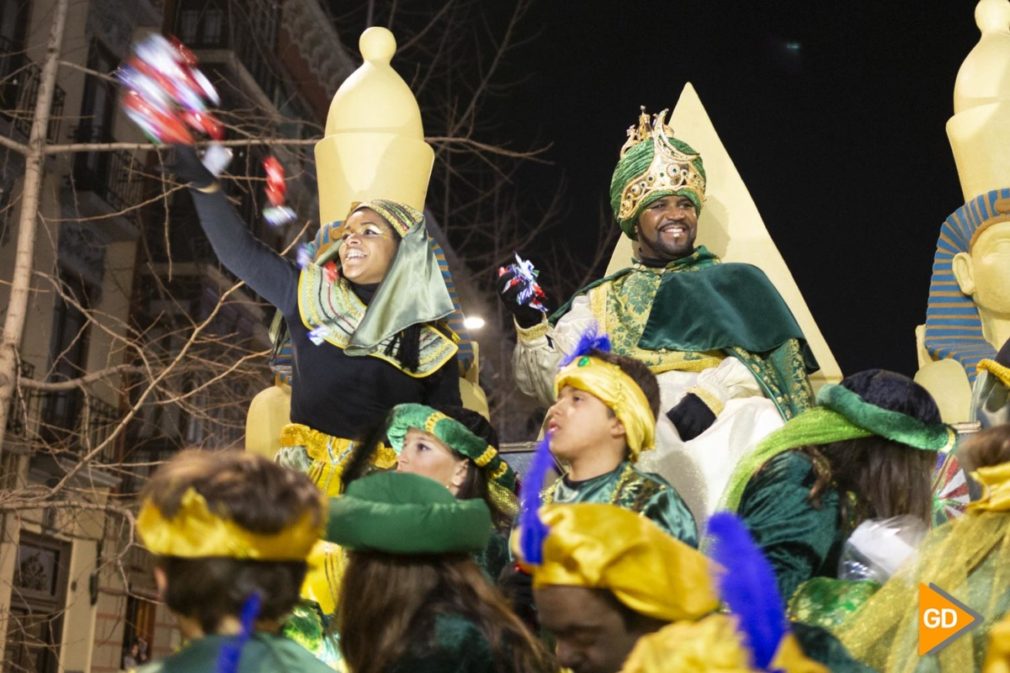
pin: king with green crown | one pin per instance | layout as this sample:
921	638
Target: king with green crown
731	360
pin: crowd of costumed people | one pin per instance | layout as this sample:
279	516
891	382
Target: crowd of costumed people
698	498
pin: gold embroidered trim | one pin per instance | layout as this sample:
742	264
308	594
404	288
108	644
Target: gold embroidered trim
499	471
530	333
435	348
208	189
671	169
996	369
711	401
611	305
329	455
432	421
485	458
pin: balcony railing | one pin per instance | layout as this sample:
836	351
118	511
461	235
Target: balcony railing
116	177
226	24
19	87
64	421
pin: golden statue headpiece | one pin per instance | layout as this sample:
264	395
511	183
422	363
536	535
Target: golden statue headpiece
374	144
194	531
980	128
653	163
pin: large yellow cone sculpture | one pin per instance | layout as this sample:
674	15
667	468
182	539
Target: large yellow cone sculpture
374	145
979	131
731	226
969	294
373	148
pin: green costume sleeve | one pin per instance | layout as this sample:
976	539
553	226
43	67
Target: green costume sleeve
668	510
796	536
782	374
629	488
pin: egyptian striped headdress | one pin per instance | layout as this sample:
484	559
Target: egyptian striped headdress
953	326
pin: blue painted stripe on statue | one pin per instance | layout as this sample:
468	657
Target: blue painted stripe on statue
953	313
952	321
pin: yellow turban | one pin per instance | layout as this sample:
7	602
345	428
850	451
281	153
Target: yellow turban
711	645
605	547
608	383
195	531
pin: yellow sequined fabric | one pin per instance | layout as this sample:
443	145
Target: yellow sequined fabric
996	369
966	558
995	482
194	531
329	455
997	657
327	562
710	645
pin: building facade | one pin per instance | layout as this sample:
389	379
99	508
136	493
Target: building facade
127	293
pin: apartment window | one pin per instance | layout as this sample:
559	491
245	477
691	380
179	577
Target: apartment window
201	24
68	356
13	27
98	106
38	598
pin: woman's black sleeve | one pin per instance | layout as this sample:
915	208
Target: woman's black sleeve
266	272
442	387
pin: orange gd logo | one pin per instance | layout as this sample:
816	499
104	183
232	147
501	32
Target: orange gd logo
942	619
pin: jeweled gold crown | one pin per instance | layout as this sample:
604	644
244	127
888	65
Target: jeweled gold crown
670	170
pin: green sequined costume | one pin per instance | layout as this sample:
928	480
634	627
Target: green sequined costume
630	488
262	653
719	331
801	538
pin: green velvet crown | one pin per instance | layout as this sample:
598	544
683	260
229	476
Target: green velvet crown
641	177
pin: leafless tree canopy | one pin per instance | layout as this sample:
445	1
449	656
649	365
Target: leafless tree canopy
132	341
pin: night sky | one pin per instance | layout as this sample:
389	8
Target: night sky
833	112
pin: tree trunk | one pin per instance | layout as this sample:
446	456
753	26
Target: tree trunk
17	307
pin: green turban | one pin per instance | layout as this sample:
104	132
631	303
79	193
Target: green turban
654	164
500	477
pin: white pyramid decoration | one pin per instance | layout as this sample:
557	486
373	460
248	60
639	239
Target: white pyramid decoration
731	226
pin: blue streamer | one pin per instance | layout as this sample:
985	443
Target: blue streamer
748	587
533	531
231	652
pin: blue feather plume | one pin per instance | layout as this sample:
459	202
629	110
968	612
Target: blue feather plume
231	652
590	340
533	531
748	587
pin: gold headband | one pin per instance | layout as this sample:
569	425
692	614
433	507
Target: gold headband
196	532
617	390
